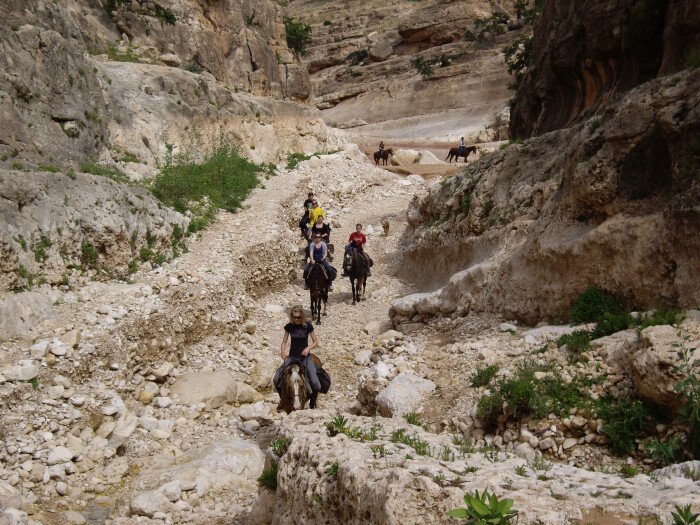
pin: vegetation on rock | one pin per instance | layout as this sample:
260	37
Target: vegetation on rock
298	35
485	508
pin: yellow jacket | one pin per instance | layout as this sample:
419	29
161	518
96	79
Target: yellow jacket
314	214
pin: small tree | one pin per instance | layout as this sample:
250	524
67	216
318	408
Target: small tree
298	35
518	55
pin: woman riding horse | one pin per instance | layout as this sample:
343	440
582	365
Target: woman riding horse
299	330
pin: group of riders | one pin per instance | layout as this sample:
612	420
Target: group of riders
296	346
315	229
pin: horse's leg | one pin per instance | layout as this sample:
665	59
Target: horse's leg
352	283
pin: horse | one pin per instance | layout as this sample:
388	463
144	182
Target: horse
454	152
294	388
382	155
356	266
318	291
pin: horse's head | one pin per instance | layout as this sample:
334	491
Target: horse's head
293	389
389	151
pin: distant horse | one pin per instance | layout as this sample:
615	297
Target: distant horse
382	155
318	291
454	152
294	390
356	266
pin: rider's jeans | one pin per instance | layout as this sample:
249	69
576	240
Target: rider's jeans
311	375
325	264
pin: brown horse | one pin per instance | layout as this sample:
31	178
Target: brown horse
356	267
382	155
318	291
454	152
294	387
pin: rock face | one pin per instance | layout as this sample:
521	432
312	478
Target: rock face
404	394
364	80
85	83
586	55
407	487
527	228
52	222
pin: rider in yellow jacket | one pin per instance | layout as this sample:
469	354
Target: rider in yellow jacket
314	213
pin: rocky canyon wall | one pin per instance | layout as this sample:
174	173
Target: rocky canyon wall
585	54
612	202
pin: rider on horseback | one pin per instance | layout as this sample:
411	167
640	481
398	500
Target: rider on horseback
304	221
462	148
318	254
357	241
299	330
314	213
381	146
323	229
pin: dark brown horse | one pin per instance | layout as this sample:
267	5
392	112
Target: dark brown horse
454	152
294	386
382	155
318	291
356	267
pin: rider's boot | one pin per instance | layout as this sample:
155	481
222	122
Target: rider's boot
312	399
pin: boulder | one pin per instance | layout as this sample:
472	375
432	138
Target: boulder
654	364
9	496
23	371
406	393
214	389
362	357
148	503
259	411
126	425
171	59
247	394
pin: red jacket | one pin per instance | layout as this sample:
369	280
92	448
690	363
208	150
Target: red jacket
358	238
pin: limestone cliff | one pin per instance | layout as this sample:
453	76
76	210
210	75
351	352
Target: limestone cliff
587	53
362	66
613	202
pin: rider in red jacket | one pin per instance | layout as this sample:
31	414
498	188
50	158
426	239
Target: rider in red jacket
358	240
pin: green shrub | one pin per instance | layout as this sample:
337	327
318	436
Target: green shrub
593	125
268	478
40	247
490	408
485	508
421	447
357	56
293	159
592	305
133	266
624	420
115	55
333	469
89	255
101	170
661	316
279	446
577	342
483	375
518	55
487	27
298	35
665	452
628	471
466	203
689	391
49	167
423	66
611	323
222	181
412	418
165	15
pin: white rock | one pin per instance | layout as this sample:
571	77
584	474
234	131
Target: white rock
62	488
507	327
171	490
148	503
406	393
211	388
525	451
259	411
74	518
124	428
569	443
163	402
362	357
162	371
38	350
59	455
24	371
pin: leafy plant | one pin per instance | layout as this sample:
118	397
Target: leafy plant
518	55
628	471
665	452
520	470
40	247
540	467
88	254
593	125
423	66
378	450
221	181
422	448
483	375
487	27
576	343
298	35
689	390
593	304
293	159
279	446
412	418
624	419
357	57
684	516
660	316
333	469
268	478
102	170
117	56
484	508
464	444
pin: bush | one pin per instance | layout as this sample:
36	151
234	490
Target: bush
482	376
165	15
423	66
689	390
88	255
268	478
593	304
412	418
624	419
279	445
293	159
489	408
101	170
485	508
298	35
684	516
490	26
665	452
577	342
116	56
518	55
611	323
357	56
660	317
222	181
39	249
